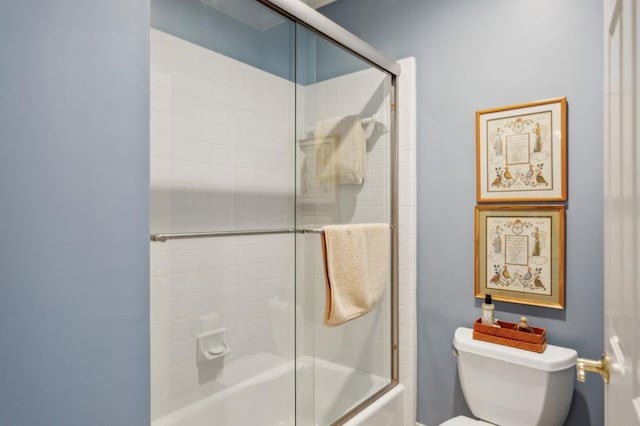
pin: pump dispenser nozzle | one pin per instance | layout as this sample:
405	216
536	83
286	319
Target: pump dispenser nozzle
487	310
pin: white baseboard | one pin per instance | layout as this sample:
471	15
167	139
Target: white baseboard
419	424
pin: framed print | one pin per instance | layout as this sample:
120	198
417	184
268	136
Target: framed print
521	152
520	254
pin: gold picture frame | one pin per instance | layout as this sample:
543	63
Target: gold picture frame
521	152
519	254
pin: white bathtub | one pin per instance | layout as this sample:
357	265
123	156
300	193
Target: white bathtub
388	410
268	399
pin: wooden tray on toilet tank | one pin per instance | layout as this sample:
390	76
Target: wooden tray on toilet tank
509	335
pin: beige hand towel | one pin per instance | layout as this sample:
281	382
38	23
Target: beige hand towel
340	150
357	260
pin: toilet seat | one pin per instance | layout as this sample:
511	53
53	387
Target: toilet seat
465	421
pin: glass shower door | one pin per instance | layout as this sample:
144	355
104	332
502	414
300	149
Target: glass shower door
341	101
222	214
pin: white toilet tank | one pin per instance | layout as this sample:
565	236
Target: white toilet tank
510	387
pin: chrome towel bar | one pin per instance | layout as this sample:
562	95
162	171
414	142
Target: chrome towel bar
164	237
161	238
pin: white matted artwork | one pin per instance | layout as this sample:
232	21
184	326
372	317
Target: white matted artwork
521	152
520	254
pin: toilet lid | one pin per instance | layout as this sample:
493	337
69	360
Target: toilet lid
464	421
554	358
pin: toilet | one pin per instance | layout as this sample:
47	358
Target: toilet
508	387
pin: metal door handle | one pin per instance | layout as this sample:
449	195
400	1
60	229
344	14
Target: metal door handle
600	366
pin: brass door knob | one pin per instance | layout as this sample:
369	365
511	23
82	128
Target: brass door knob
600	366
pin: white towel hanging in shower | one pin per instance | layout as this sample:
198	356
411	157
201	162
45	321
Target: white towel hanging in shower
357	261
340	150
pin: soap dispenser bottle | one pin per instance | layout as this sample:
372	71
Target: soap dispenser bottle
487	310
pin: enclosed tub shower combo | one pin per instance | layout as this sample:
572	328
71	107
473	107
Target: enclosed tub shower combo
268	123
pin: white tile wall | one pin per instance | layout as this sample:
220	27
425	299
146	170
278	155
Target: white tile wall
221	135
221	158
408	231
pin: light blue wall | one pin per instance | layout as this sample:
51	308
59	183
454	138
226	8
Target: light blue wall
74	155
474	54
